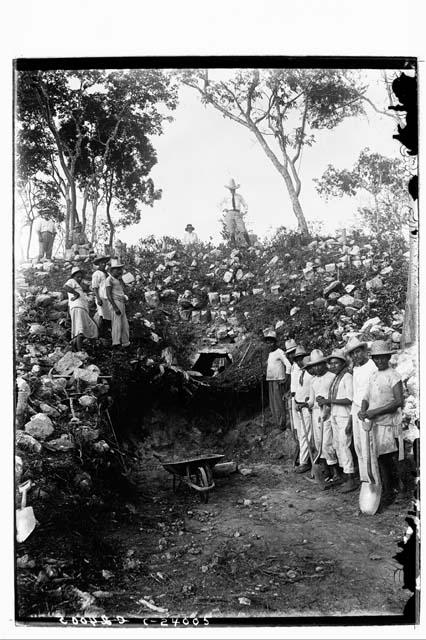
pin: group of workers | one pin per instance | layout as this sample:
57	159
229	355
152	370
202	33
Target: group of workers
110	297
347	402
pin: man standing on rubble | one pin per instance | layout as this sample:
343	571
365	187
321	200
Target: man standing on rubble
234	208
46	232
277	372
116	298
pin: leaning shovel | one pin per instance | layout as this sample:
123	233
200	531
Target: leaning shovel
305	433
371	491
25	520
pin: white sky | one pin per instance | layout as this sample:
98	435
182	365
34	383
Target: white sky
200	150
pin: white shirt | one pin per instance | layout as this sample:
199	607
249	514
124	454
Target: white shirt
344	390
190	238
294	377
98	282
82	301
278	365
240	203
303	390
320	386
41	225
361	378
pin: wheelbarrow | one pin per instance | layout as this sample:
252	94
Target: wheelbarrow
197	473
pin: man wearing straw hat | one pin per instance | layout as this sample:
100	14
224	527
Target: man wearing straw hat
340	402
234	207
190	237
321	426
98	285
277	371
363	369
300	391
82	325
382	407
116	298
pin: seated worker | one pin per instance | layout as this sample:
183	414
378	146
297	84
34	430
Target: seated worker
80	243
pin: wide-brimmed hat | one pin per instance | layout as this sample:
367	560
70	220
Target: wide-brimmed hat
232	184
270	334
305	362
381	348
115	264
189	226
99	259
316	357
290	345
337	353
75	270
300	351
353	344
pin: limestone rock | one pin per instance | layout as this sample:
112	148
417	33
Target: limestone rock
331	267
152	299
43	300
386	271
66	365
49	411
87	401
86	434
40	426
357	303
374	284
371	322
331	287
37	330
25	441
346	300
294	310
350	288
273	261
228	275
64	443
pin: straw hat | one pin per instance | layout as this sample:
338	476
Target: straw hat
337	353
381	348
316	357
270	333
75	270
306	362
290	345
189	227
115	264
232	184
101	259
353	344
300	351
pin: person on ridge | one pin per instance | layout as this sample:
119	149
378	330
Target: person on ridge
235	208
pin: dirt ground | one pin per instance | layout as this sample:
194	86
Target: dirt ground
266	544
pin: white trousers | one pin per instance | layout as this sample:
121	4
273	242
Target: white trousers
342	440
326	450
119	325
303	442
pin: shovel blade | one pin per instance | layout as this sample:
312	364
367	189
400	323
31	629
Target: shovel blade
25	523
369	497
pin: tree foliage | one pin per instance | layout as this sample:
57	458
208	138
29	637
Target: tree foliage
382	178
91	129
283	108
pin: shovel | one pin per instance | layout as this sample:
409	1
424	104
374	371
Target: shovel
25	520
371	491
305	433
293	431
317	468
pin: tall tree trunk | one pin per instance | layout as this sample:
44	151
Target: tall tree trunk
410	328
283	171
30	234
67	221
111	224
94	214
83	208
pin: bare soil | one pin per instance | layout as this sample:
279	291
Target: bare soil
289	550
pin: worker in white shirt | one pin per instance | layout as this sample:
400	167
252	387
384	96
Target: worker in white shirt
235	207
321	425
190	237
363	370
46	232
277	372
300	391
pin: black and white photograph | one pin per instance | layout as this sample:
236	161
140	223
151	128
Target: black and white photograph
216	341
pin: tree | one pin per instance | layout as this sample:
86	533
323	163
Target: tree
382	178
80	115
283	108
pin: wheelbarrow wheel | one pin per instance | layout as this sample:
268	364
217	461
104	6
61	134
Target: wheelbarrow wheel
203	482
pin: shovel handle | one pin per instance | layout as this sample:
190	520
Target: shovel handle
369	471
24	488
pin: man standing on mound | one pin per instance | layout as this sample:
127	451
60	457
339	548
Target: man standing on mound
234	208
